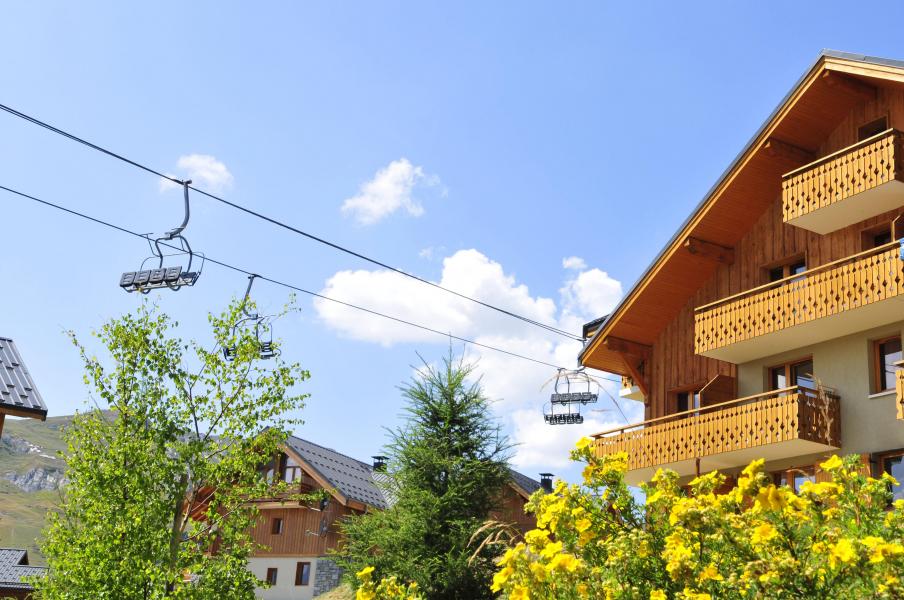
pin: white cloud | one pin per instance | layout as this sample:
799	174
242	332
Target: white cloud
575	263
204	170
514	384
390	190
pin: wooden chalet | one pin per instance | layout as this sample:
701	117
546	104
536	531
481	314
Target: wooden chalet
298	537
16	574
770	324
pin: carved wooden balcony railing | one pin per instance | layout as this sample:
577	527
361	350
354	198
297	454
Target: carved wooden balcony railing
816	196
785	416
805	308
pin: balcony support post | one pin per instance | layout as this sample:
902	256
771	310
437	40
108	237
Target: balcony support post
709	250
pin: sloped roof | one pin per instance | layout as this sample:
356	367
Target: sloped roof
14	569
803	119
520	480
18	394
352	478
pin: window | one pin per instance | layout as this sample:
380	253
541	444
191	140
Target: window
872	128
893	464
271	576
793	266
876	236
687	400
302	573
276	526
794	478
886	352
790	374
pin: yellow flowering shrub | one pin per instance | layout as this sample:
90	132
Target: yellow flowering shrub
834	539
386	589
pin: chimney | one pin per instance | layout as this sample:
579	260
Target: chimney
546	482
379	463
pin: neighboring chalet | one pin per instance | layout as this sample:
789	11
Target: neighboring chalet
300	536
770	325
15	573
18	395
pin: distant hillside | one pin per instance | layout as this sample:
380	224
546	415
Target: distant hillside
30	478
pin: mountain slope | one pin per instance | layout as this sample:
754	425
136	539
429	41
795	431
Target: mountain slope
30	477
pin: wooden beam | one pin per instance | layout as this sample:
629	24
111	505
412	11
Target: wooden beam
638	378
628	347
850	85
709	250
776	148
2	418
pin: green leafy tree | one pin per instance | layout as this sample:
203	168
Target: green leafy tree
448	464
161	471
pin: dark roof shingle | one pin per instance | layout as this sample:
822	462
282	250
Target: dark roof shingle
14	569
17	390
351	478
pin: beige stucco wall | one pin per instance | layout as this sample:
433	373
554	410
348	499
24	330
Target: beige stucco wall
868	422
285	588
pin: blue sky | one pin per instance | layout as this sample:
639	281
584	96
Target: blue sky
499	139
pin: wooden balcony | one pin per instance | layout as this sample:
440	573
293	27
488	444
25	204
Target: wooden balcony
784	423
846	187
860	292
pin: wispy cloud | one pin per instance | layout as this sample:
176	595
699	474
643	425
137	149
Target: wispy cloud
204	170
391	189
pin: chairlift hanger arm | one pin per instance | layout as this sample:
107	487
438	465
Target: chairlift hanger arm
251	279
178	230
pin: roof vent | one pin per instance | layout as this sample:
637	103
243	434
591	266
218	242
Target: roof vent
379	463
546	482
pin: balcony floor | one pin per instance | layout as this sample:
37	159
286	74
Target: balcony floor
822	329
733	459
854	209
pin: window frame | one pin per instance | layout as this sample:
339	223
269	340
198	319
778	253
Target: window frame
277	526
866	126
785	265
272	575
690	390
302	578
787	366
881	457
879	362
868	235
789	475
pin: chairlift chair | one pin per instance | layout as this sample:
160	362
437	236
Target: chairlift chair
263	329
172	276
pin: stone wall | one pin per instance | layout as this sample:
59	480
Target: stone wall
327	576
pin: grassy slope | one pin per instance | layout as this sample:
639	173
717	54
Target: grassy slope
22	514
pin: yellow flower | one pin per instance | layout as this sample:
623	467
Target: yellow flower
841	551
536	538
583	590
365	594
584	442
564	561
709	573
831	464
364	574
519	592
582	525
657	595
762	534
753	468
500	578
551	549
770	497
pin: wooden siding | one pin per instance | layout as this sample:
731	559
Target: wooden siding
867	278
297	520
511	510
783	415
674	363
858	168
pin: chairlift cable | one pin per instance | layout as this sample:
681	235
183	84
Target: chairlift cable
286	226
281	283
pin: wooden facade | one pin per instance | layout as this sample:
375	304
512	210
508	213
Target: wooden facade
675	363
305	531
679	332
